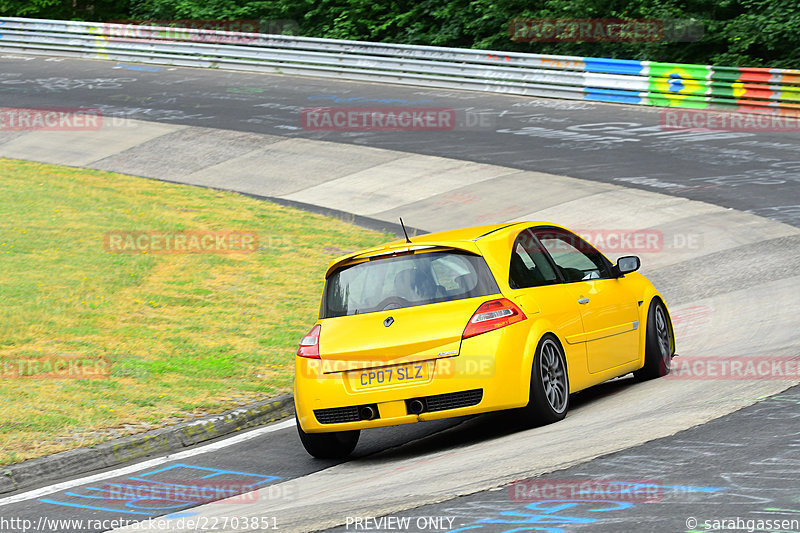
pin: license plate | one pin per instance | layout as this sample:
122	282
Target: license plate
392	375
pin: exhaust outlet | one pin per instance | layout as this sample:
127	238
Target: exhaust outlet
367	412
415	406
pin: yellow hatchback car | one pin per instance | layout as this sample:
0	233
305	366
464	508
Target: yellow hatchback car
468	321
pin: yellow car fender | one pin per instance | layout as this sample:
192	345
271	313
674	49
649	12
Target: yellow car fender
540	327
649	293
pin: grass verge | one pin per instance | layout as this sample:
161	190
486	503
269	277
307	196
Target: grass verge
182	334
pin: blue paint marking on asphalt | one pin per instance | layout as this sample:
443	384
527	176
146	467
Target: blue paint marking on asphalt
182	514
129	503
546	514
214	472
137	67
87	496
164	488
154	490
638	486
569	504
159	491
67	504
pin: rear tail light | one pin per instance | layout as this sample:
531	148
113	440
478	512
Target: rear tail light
309	345
492	315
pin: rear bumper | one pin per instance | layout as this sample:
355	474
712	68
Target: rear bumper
484	377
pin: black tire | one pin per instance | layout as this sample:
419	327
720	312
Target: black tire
333	445
659	343
548	399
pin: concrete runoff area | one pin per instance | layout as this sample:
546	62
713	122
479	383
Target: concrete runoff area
67	148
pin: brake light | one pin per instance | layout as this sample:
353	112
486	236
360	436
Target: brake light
491	315
309	345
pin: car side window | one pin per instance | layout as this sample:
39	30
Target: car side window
576	259
529	264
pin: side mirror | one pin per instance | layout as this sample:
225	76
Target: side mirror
626	265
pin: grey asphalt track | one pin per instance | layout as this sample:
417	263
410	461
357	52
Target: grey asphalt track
743	466
132	496
756	171
622	145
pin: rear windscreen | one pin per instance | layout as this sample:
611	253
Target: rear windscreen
406	281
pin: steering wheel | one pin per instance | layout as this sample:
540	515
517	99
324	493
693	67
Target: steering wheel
387	303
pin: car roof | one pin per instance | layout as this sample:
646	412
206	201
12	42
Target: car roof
461	238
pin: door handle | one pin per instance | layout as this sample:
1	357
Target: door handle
583	300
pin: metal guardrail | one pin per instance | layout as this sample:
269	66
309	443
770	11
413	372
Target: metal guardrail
580	78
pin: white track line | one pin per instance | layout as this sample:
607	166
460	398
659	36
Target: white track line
44	491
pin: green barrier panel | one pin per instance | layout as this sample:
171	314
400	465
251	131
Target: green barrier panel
725	82
789	93
687	101
677	85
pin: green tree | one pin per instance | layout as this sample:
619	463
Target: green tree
93	10
736	32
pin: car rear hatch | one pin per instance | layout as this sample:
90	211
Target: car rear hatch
401	306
